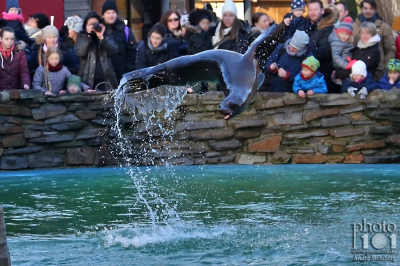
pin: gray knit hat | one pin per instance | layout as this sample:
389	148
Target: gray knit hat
300	40
74	23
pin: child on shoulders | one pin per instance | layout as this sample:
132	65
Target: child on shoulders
309	80
392	78
297	22
15	20
360	82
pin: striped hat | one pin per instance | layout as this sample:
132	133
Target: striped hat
298	4
346	26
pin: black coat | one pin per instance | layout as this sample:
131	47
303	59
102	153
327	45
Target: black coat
124	61
369	83
321	49
69	58
148	58
240	45
177	43
86	49
19	30
197	39
371	56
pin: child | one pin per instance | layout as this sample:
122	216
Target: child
309	80
15	20
198	37
52	77
14	72
360	81
75	85
298	22
392	78
341	42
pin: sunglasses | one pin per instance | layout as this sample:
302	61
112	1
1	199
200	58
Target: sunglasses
173	19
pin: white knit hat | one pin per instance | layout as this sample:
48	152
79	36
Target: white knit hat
359	68
74	23
229	6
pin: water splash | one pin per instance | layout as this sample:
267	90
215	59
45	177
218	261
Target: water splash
150	111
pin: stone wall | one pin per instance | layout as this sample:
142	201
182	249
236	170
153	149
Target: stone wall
71	131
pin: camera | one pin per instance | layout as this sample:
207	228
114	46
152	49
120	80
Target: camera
97	27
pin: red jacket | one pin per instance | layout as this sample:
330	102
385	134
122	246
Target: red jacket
398	47
14	72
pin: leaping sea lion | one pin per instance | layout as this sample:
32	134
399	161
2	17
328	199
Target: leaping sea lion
234	72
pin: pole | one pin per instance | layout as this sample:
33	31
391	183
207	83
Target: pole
247	10
5	259
164	6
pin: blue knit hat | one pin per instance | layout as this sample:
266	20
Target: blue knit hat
298	4
11	4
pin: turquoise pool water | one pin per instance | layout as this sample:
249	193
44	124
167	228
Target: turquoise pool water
225	215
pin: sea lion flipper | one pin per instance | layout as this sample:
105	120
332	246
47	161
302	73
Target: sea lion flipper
251	51
261	78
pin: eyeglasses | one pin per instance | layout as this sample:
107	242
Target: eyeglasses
173	19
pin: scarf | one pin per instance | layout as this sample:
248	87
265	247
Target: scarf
162	47
7	53
8	16
360	81
55	68
216	39
177	33
32	32
374	40
374	17
304	78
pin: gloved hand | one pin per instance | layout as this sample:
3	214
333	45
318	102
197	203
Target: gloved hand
351	91
350	64
363	93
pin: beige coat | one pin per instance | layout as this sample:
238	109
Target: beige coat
386	46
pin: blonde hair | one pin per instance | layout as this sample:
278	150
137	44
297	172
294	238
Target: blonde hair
50	51
369	27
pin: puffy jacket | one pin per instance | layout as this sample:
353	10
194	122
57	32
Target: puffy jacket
240	45
14	72
176	42
197	39
86	49
69	59
340	51
387	46
384	83
300	23
316	84
147	57
124	61
321	49
368	53
58	80
369	83
290	63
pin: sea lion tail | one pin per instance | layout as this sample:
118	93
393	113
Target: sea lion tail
250	54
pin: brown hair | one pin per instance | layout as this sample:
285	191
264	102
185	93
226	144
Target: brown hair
256	17
164	18
50	51
234	33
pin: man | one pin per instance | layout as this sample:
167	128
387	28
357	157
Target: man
343	11
386	46
319	39
124	61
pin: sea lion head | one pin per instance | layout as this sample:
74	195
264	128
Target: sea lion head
232	106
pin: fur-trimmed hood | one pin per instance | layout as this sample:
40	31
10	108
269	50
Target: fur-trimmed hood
329	18
193	29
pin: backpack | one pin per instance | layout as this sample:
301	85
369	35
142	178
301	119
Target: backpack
126	34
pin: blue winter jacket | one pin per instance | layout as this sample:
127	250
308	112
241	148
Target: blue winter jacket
369	83
385	85
300	23
290	63
316	84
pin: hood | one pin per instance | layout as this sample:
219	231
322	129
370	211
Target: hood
373	41
297	54
256	31
163	47
329	19
193	29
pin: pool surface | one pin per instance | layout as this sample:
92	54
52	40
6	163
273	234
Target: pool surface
211	215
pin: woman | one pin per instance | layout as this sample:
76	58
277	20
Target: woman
49	37
367	50
260	22
95	50
155	50
171	21
73	27
230	33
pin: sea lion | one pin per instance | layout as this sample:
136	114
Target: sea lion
234	72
